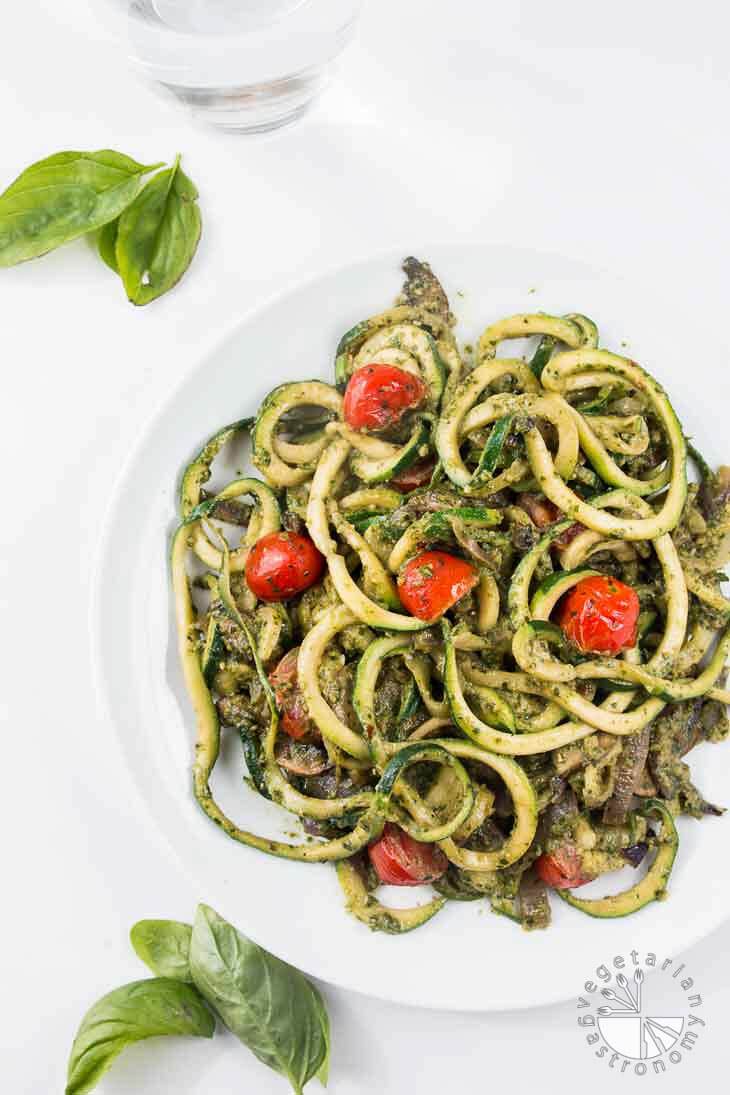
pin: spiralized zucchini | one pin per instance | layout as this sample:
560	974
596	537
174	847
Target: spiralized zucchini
481	732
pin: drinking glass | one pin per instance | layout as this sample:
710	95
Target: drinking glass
243	65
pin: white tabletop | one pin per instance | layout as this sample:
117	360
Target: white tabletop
583	129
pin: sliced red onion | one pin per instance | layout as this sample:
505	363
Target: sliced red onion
635	853
301	758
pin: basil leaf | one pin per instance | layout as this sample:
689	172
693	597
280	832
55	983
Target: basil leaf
323	1072
158	235
143	1009
268	1005
63	197
164	946
107	244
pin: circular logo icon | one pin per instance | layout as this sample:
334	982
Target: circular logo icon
627	1028
640	1015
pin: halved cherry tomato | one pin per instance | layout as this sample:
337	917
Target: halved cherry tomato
600	615
295	720
282	564
417	475
399	860
377	396
562	868
433	581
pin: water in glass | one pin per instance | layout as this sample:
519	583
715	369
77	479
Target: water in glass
246	65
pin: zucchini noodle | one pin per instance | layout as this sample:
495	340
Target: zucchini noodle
483	731
271	457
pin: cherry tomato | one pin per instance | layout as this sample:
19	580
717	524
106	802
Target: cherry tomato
377	396
295	720
417	475
600	615
282	564
399	860
562	868
433	581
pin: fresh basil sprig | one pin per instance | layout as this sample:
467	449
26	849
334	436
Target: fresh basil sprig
107	244
144	1009
63	197
158	235
164	946
148	232
267	1004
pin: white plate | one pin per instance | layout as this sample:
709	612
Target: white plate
466	958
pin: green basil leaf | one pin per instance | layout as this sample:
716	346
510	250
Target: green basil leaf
268	1005
164	946
63	197
158	235
143	1009
107	244
323	1072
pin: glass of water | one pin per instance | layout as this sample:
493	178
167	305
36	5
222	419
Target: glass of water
243	65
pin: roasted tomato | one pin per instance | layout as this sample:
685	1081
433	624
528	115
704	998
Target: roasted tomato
399	860
433	581
282	564
377	396
562	868
295	720
417	475
600	615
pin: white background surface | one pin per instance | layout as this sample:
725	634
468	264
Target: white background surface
593	133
